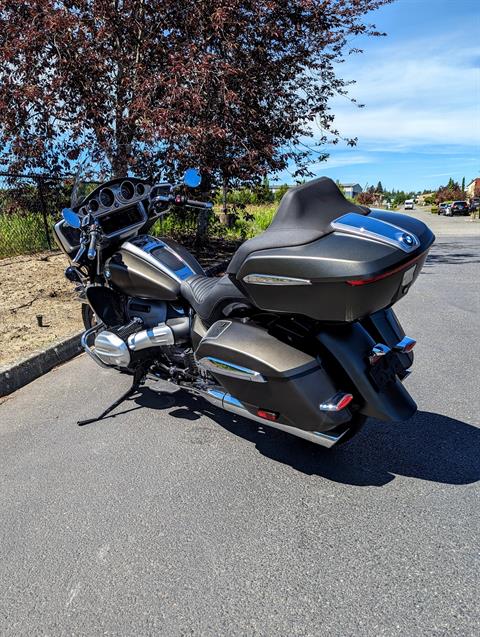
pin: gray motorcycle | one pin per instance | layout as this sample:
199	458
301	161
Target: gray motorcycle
299	334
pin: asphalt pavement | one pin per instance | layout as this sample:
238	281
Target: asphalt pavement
173	518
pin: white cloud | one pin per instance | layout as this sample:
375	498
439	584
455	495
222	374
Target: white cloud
423	91
339	161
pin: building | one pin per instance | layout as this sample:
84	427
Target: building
473	188
351	190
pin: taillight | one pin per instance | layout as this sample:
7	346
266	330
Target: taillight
267	415
405	345
378	277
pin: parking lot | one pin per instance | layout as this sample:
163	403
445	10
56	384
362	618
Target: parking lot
173	518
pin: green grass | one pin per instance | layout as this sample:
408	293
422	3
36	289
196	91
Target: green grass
25	233
249	223
22	234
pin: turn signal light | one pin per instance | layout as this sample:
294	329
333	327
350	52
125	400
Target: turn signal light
405	345
337	402
267	415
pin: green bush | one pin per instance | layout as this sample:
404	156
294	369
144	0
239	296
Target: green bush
280	192
434	210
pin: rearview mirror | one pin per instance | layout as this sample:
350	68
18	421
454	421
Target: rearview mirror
71	218
192	178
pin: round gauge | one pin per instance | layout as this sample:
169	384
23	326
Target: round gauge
127	190
93	205
106	197
140	189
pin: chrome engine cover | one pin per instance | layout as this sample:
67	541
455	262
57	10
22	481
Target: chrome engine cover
111	350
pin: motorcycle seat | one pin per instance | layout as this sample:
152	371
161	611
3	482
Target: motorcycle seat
210	296
304	215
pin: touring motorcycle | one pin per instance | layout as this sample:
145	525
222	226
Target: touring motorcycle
298	334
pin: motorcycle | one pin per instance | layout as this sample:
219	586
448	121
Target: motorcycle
299	334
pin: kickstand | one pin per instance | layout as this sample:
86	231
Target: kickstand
138	379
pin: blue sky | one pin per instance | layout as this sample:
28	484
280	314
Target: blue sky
421	90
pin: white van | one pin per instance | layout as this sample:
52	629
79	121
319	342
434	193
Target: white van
409	204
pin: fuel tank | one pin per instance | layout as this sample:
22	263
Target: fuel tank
151	268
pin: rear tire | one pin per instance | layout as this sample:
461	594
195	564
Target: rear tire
357	423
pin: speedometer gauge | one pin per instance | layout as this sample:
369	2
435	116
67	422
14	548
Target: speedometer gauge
127	190
106	197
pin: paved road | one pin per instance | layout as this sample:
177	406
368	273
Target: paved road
175	519
446	226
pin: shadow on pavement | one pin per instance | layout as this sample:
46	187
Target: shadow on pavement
429	446
452	253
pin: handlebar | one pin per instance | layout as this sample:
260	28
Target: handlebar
77	261
180	200
92	248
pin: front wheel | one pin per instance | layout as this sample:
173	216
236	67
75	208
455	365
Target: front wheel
88	316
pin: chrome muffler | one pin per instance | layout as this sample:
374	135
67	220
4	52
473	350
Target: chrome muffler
227	402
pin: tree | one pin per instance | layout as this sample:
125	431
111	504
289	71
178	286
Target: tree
137	84
463	184
450	192
366	198
379	187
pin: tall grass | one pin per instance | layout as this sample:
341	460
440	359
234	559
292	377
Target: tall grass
22	234
25	233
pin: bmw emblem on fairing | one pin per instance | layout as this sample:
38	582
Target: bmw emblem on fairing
408	239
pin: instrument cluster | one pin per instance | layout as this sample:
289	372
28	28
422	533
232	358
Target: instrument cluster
118	194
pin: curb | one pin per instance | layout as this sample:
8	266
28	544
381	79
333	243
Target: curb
34	366
30	368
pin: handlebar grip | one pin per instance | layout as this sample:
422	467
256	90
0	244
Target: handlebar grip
92	248
207	205
163	198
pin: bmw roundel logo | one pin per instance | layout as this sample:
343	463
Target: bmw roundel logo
408	239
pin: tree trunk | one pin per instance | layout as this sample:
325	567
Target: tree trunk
224	195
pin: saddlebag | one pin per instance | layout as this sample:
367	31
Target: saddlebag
266	374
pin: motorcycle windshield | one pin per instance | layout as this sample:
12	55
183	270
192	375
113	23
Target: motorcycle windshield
84	182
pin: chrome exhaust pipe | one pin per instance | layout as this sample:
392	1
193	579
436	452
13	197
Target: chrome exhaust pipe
226	401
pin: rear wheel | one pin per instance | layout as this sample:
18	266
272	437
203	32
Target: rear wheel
356	424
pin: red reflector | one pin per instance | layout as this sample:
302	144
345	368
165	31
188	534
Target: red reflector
378	277
346	400
337	402
267	415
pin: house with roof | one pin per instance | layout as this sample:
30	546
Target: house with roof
473	188
351	190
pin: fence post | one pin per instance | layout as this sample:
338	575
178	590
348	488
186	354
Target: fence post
43	206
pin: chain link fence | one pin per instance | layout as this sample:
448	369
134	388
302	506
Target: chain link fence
29	206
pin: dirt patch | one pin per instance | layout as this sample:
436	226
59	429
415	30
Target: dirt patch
32	285
35	284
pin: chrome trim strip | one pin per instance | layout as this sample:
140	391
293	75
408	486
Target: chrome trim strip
90	351
225	368
230	403
272	279
376	229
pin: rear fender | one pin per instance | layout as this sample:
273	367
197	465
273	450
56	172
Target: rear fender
350	347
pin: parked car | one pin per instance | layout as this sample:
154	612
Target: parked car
474	204
409	204
442	208
458	208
